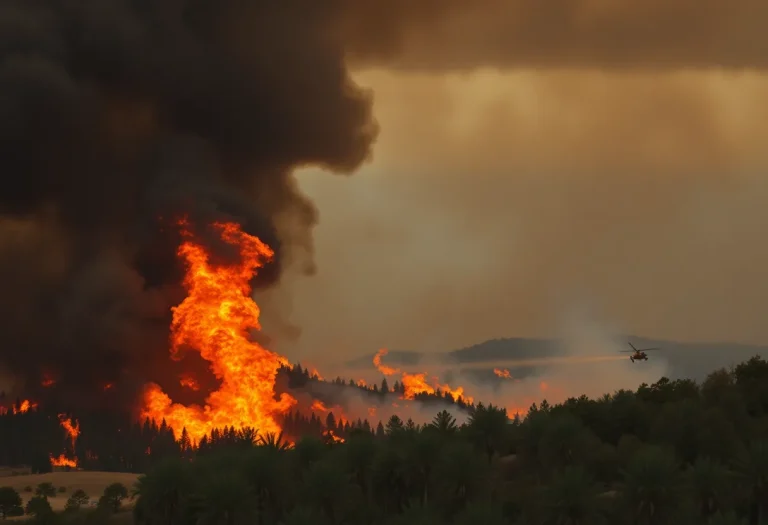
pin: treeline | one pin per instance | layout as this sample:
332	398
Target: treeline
673	452
114	441
299	377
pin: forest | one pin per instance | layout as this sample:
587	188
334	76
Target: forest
672	452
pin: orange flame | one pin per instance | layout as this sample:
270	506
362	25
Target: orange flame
63	461
333	437
315	374
504	374
215	319
189	382
384	369
24	406
73	431
47	381
338	412
415	384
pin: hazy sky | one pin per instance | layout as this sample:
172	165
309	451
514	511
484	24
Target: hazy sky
497	202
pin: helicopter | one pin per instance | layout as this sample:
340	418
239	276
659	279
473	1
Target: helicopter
638	354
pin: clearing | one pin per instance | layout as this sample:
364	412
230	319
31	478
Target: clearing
93	483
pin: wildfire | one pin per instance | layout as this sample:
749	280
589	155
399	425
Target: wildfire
319	406
63	461
315	374
332	437
23	407
504	374
47	381
73	431
189	382
214	320
415	384
384	369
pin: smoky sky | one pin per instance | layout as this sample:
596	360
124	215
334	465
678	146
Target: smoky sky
118	116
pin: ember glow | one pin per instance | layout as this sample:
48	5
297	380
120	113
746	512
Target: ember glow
337	411
332	437
504	374
23	407
189	382
63	461
73	431
415	384
214	320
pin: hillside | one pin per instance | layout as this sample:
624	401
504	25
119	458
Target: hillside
684	360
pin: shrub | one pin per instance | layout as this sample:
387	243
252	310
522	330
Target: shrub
38	506
46	490
113	496
10	501
77	500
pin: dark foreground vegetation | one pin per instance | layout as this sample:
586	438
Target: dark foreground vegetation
673	452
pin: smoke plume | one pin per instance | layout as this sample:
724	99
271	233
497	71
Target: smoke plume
119	116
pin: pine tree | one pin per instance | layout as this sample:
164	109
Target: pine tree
330	422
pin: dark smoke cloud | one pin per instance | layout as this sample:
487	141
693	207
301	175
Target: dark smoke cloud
118	116
654	34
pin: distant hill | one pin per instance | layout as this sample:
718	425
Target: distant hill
684	360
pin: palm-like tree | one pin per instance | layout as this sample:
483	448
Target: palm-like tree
248	436
358	454
564	441
161	494
226	499
709	482
652	485
422	452
729	518
274	441
488	427
484	513
572	498
460	476
303	515
328	489
751	468
265	472
388	478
